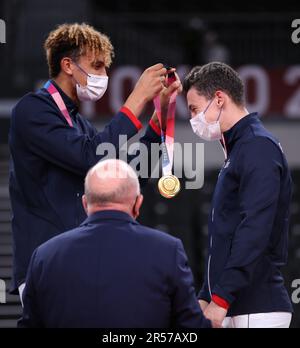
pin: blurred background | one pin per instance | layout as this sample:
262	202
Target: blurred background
255	39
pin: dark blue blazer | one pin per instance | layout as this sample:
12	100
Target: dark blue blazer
111	272
49	160
249	223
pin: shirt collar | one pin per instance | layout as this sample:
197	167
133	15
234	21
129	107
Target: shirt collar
99	216
235	132
70	104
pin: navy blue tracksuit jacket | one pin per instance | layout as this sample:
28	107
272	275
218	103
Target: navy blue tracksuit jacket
249	222
111	272
49	162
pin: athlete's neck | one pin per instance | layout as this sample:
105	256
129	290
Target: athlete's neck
68	88
233	116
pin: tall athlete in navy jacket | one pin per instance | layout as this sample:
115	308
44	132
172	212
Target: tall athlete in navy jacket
248	224
53	146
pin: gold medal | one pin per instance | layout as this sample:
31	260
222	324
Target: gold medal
169	186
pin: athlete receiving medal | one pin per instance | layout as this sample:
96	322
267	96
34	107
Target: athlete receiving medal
168	184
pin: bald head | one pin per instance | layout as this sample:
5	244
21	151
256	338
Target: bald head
111	184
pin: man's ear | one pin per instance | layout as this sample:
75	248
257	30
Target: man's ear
137	206
66	66
84	203
220	95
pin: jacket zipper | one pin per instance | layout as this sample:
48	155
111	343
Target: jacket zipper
209	257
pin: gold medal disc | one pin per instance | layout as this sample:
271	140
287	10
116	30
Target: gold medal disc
169	186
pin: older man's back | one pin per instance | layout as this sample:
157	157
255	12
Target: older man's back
111	272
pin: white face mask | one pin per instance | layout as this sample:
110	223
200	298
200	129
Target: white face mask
95	88
205	130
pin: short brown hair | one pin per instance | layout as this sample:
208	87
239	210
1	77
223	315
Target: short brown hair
74	40
209	78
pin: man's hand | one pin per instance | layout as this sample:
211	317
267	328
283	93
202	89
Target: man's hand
149	85
167	91
215	314
165	95
203	304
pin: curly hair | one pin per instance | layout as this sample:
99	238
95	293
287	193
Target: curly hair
209	78
74	40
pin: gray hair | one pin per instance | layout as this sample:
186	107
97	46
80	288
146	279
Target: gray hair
111	181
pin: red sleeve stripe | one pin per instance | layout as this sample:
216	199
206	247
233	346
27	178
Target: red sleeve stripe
220	301
132	118
154	126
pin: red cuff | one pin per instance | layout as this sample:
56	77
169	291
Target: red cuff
132	118
154	126
220	301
